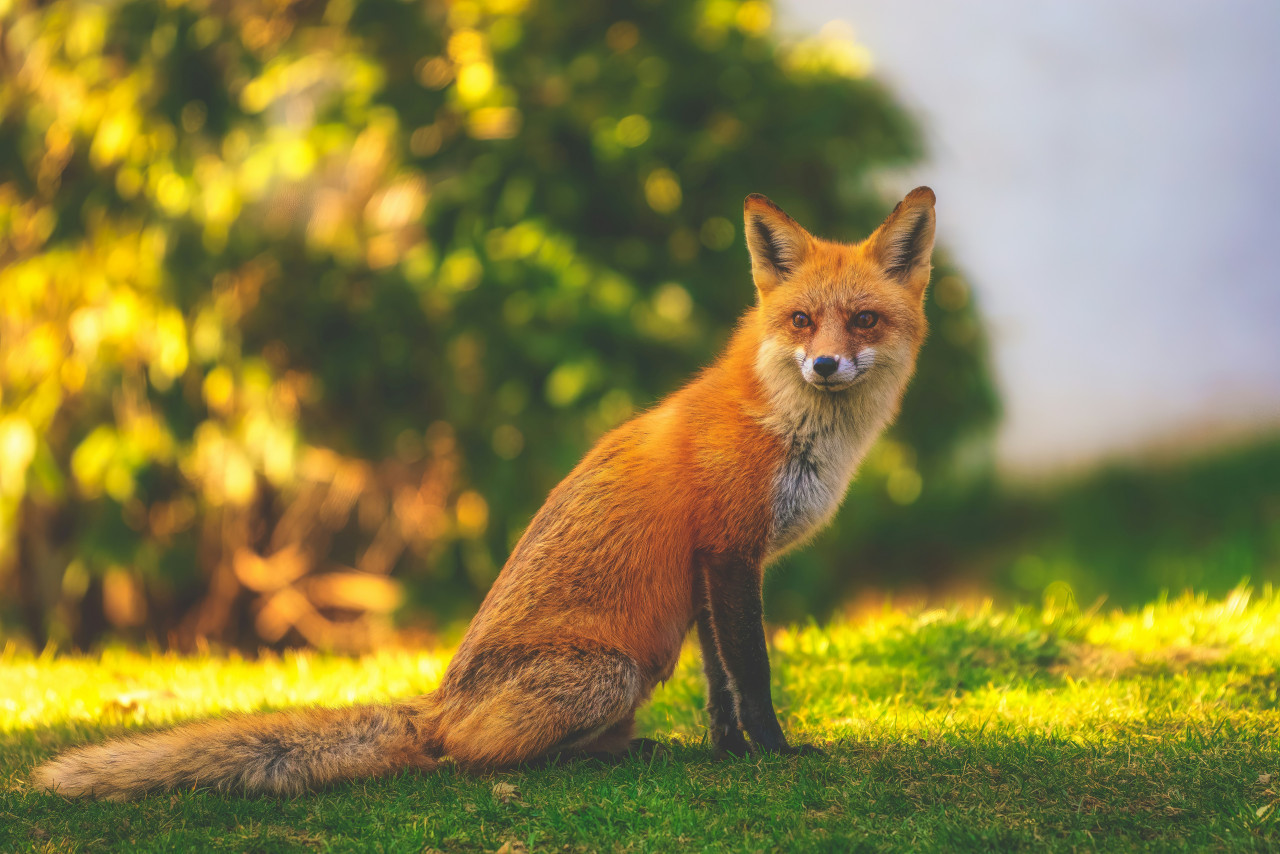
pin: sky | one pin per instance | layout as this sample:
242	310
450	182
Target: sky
1108	177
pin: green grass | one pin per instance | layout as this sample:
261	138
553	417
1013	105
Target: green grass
964	729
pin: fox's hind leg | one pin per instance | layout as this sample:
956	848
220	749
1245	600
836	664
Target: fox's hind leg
614	741
522	705
617	742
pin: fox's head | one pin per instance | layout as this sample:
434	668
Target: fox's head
834	315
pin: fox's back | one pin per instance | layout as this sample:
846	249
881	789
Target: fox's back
611	554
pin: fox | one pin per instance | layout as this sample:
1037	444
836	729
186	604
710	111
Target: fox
663	528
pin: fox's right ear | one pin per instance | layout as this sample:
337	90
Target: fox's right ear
776	241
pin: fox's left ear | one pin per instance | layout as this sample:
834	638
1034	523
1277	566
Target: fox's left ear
903	245
776	241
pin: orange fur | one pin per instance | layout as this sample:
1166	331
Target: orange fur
591	609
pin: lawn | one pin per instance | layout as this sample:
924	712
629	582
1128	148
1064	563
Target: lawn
971	728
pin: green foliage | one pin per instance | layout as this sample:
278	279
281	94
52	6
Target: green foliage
958	729
1200	523
254	251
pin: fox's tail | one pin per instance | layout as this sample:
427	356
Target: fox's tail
283	753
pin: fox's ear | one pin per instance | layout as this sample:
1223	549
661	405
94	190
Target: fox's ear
903	245
777	242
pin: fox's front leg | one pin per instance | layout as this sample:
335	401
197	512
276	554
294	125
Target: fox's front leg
736	615
726	732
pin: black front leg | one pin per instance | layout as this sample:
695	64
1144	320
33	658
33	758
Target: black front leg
736	612
726	732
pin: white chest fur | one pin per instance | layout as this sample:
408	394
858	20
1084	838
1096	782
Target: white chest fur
824	436
821	457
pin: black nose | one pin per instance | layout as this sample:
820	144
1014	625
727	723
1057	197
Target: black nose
826	365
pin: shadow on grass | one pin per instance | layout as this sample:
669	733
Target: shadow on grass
870	794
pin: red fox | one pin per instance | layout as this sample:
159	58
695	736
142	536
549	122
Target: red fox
666	524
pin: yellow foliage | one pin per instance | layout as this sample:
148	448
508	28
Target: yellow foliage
662	191
473	514
17	447
834	52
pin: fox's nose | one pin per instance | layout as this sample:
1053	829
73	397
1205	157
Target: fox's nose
826	365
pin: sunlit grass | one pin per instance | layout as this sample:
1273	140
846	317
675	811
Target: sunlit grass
961	728
130	688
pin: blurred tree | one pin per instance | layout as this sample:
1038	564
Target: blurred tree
298	294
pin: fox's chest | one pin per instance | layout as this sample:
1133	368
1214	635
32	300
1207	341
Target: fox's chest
817	467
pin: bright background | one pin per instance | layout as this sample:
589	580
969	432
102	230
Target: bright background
1108	174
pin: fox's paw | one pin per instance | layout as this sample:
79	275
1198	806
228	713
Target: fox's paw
733	743
639	748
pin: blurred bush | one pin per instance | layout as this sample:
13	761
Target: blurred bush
1204	521
305	306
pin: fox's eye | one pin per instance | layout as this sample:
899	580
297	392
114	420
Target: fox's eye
801	320
865	319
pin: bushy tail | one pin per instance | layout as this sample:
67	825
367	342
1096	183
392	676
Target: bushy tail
283	753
